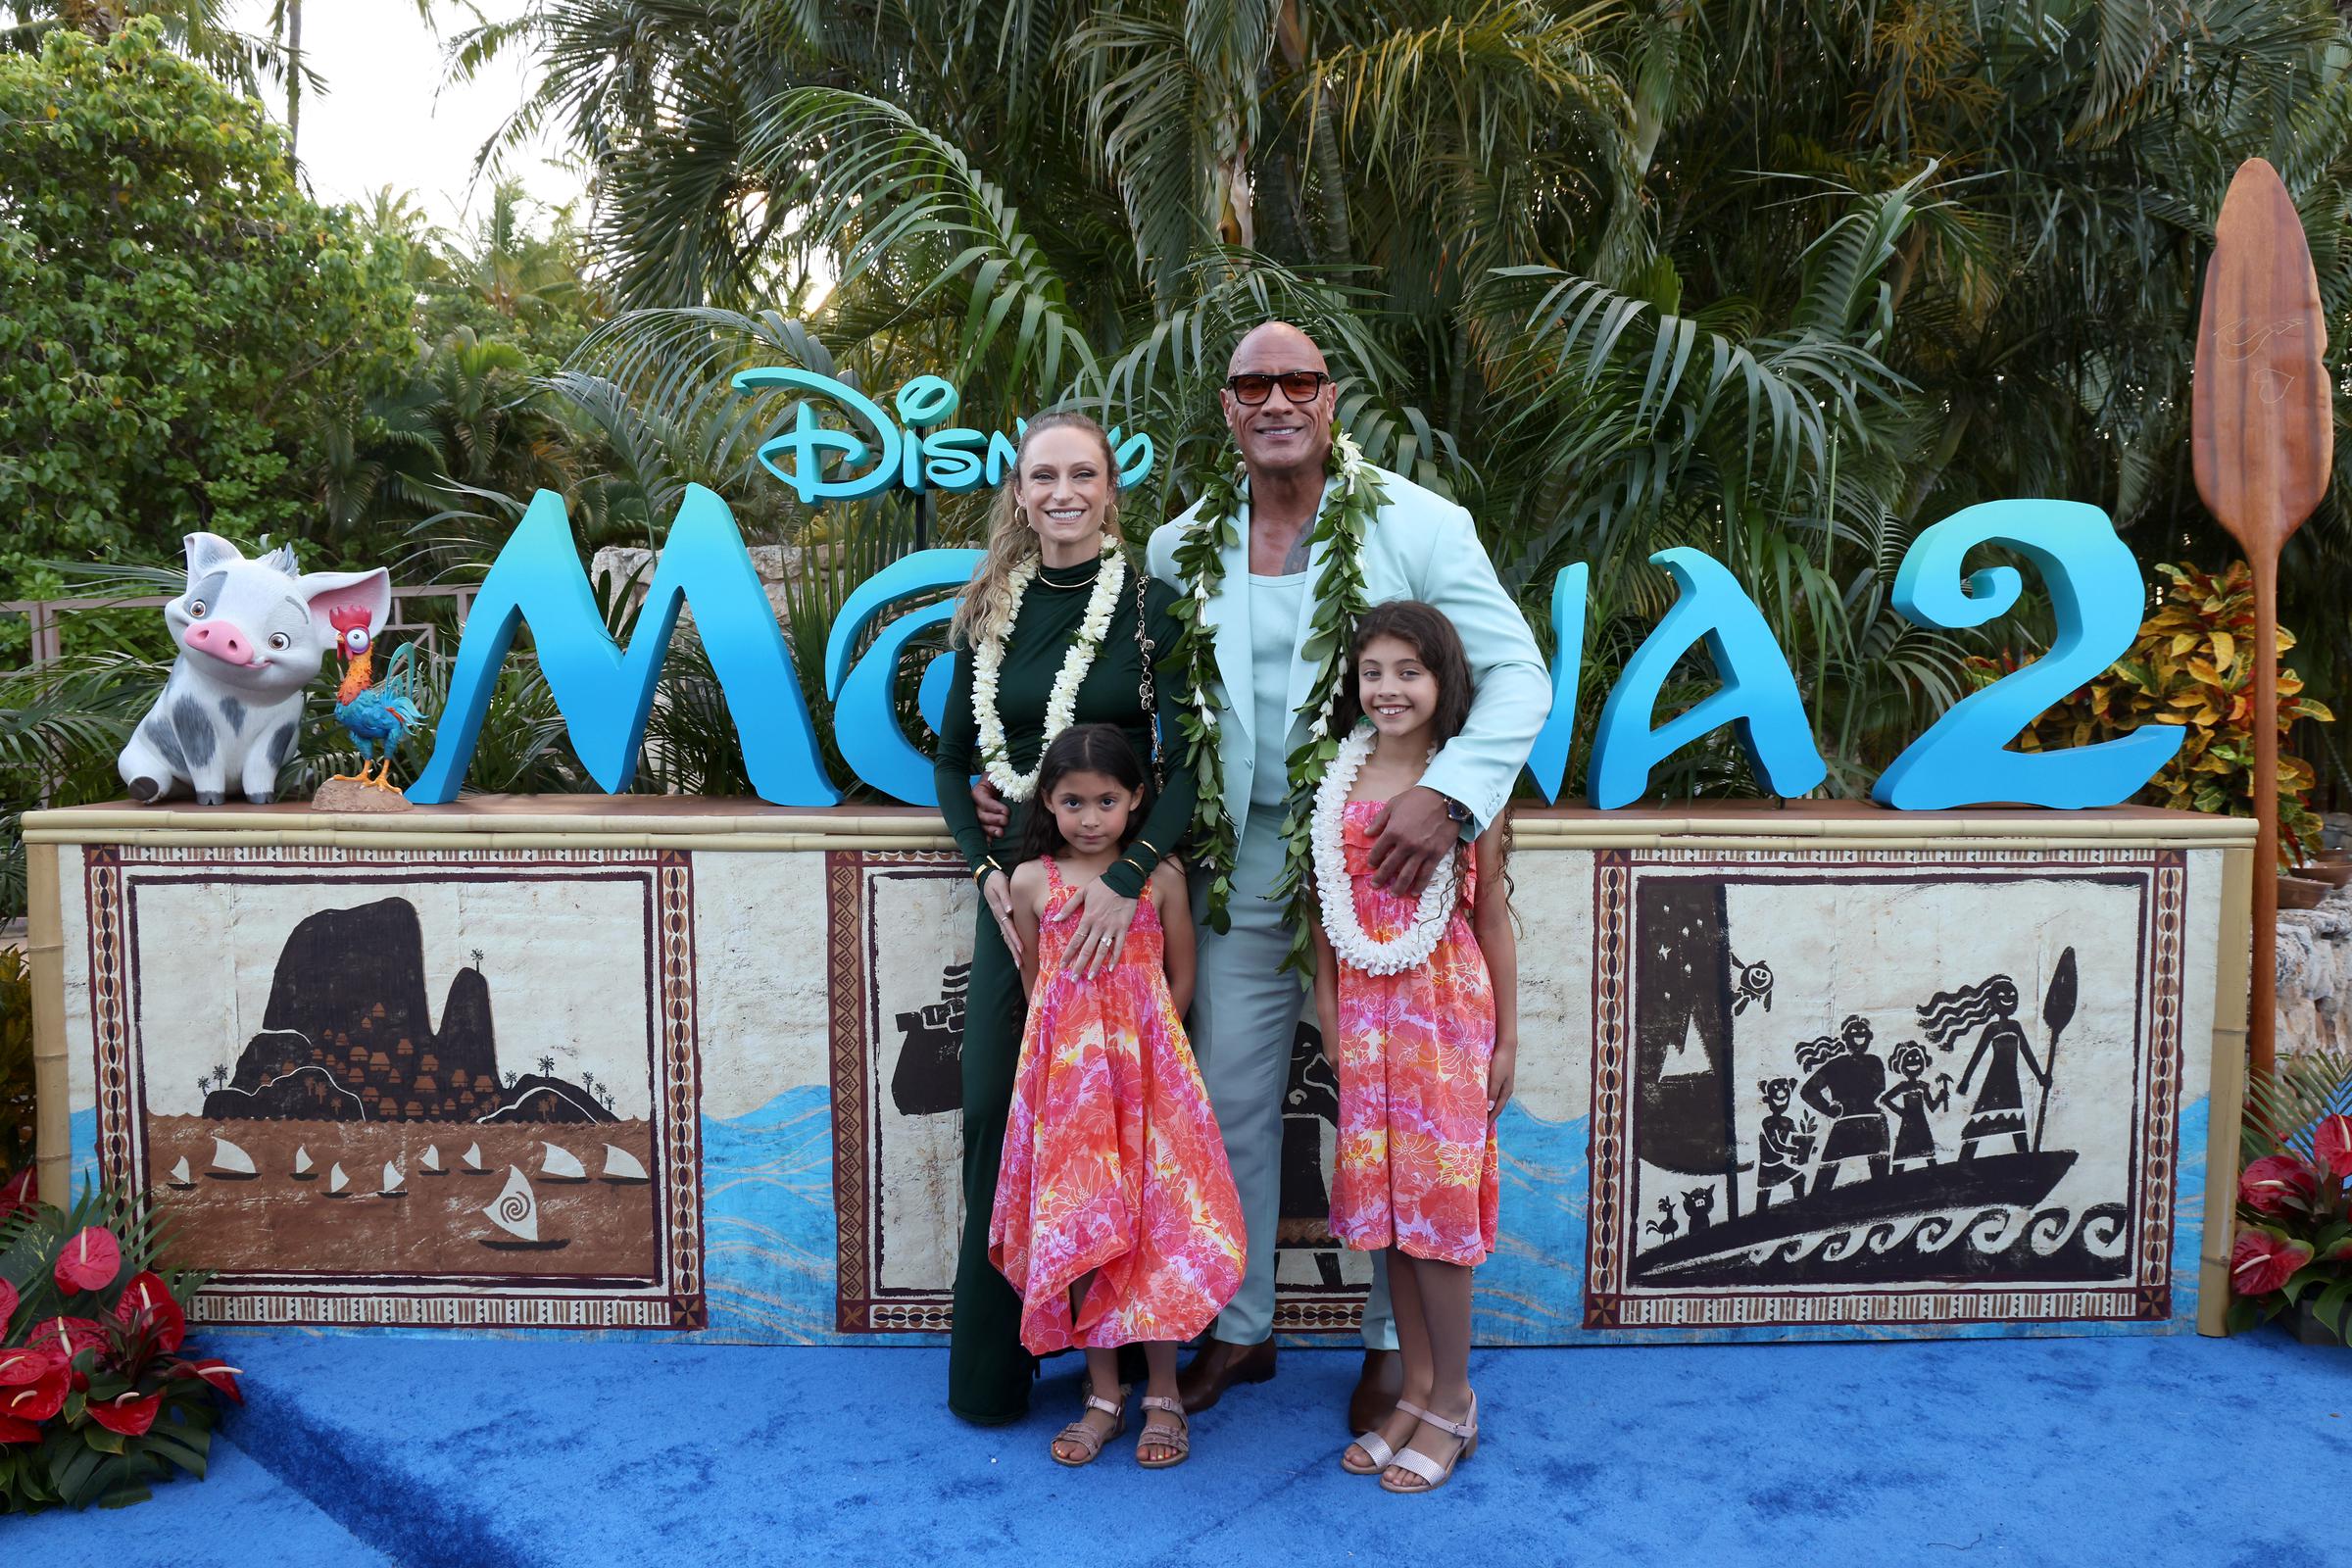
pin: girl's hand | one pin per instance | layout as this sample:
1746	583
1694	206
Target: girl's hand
1101	930
997	893
1502	1074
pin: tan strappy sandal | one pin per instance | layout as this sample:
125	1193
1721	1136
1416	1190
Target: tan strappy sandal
1427	1469
1178	1438
1086	1437
1373	1443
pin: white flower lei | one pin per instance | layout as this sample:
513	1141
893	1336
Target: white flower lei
1335	889
1062	704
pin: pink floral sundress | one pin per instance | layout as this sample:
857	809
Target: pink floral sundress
1417	1158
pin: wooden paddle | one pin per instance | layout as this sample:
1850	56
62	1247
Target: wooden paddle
2057	1011
2264	438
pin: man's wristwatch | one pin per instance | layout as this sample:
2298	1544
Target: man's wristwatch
1453	808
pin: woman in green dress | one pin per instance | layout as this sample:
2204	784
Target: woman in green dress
1057	627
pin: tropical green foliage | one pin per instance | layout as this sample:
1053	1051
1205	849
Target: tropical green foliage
16	1063
180	316
1786	282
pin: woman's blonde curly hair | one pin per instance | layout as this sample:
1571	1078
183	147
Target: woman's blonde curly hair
1011	542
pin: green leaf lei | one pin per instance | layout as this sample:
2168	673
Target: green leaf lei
1339	599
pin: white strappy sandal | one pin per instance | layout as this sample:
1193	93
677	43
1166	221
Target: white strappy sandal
1373	1443
1427	1469
1086	1437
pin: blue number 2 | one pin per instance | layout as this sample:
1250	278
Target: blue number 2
2097	591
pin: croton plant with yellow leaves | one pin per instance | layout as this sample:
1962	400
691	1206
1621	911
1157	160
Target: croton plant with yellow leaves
2193	663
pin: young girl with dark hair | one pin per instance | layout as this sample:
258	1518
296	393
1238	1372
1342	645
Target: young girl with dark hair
1115	1216
1418	1003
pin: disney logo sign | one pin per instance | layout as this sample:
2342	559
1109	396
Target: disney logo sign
906	450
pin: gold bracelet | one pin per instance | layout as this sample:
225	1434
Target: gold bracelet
1148	844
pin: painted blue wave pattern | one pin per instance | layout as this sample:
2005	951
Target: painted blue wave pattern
768	1231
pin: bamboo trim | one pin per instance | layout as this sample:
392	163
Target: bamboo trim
45	956
1898	827
634	838
610	833
786	831
81	825
2226	1107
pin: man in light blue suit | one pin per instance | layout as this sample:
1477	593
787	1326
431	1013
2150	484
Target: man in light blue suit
1278	401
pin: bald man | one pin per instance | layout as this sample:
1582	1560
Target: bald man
1278	401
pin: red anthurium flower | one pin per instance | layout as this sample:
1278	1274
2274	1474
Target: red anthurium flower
220	1374
8	1307
68	1336
146	1297
13	1430
40	1398
130	1414
90	1260
2332	1139
2264	1261
2277	1183
26	1364
16	1193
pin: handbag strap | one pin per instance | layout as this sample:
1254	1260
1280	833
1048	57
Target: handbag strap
1147	691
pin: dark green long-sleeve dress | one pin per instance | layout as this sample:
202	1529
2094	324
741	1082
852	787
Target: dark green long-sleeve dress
989	1373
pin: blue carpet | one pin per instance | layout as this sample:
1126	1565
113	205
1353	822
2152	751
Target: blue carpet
241	1516
443	1453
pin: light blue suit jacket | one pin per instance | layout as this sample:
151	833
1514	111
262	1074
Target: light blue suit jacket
1422	547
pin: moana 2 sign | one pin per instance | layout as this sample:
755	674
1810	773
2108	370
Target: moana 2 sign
606	691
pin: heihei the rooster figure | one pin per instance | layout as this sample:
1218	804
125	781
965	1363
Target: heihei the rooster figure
376	716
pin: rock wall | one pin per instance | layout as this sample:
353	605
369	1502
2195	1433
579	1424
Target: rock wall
2315	975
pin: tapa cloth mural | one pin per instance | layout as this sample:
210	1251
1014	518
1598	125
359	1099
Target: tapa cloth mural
1883	1093
406	1087
771	1034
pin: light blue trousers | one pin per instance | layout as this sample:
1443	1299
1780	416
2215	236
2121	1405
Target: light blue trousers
1244	1019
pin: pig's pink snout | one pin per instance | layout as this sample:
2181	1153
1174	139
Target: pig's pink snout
222	641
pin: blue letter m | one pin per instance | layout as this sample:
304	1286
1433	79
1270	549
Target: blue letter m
604	693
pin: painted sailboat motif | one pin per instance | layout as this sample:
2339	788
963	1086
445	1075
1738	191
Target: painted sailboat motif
180	1178
622	1170
229	1162
560	1164
303	1172
336	1182
471	1160
430	1161
516	1210
392	1182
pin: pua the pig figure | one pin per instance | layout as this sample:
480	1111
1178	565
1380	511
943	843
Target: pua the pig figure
251	634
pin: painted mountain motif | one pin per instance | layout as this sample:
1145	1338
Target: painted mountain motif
348	1036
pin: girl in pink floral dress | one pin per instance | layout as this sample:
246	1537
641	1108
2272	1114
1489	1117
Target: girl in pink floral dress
1115	1216
1418	1003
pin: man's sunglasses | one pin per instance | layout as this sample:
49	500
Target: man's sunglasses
1299	386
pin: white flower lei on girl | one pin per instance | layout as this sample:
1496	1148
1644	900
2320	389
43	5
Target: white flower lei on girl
1337	891
1062	704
